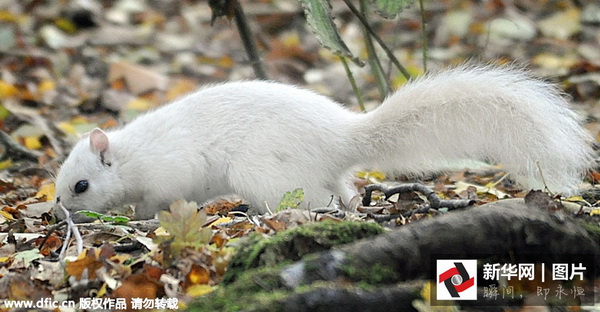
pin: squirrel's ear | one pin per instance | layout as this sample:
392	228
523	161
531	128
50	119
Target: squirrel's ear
98	141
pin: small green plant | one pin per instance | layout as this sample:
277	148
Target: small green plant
291	200
103	217
185	227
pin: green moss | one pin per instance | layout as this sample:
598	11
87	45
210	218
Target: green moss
255	290
374	275
292	245
591	228
253	283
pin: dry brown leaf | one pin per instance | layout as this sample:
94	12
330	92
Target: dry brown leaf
90	260
221	206
275	225
137	286
53	243
17	287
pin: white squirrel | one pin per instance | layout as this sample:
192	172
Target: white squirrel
260	139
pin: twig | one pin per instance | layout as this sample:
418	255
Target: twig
335	212
423	34
71	228
537	163
249	45
387	51
374	62
498	182
434	201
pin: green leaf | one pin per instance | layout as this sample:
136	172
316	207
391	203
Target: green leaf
91	214
103	217
291	200
116	219
390	8
318	15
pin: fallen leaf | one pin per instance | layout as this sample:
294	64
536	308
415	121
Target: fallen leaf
138	78
137	286
46	190
184	224
87	260
27	256
53	243
199	290
198	275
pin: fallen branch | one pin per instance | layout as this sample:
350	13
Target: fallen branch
435	202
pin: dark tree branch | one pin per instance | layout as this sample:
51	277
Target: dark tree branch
246	34
434	201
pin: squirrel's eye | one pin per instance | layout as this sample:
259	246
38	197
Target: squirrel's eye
81	186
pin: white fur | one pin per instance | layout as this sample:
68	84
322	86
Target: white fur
261	139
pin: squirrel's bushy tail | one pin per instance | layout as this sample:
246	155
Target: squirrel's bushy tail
498	114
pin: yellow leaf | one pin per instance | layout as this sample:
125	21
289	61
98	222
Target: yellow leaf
291	41
413	70
160	231
595	212
575	199
138	104
79	120
48	190
368	175
4	259
224	62
7	90
6	16
6	215
67	128
5	164
101	291
46	85
65	25
200	290
33	143
222	220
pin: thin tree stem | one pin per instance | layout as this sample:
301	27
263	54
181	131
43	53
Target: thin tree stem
424	34
374	61
387	51
246	34
353	83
